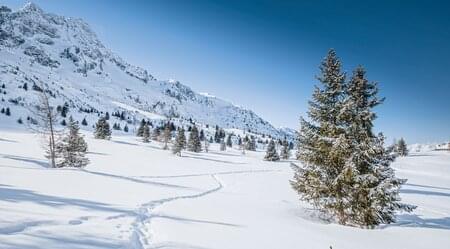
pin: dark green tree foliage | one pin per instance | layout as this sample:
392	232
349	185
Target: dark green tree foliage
229	141
285	152
84	122
271	153
167	136
102	129
125	129
72	148
402	148
140	131
346	172
7	112
63	122
194	143
146	133
180	142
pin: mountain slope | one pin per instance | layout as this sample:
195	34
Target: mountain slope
66	56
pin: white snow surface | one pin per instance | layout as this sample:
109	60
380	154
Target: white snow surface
135	195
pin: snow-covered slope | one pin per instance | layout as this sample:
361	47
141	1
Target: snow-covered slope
66	56
137	196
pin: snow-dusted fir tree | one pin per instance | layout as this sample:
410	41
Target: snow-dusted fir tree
271	153
72	148
346	171
180	142
194	143
402	148
140	130
167	135
145	133
285	152
102	129
223	146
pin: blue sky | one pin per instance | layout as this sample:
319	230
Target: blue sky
264	55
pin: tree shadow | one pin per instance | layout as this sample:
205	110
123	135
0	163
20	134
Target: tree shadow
132	179
36	161
424	192
79	241
97	153
426	186
176	218
412	220
210	159
7	140
15	195
125	143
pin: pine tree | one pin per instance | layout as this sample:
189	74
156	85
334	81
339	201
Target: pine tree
339	151
140	131
223	146
180	142
229	141
285	152
202	135
146	133
402	148
7	112
84	122
125	129
63	122
72	148
102	129
194	143
271	153
167	135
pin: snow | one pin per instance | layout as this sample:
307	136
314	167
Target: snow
136	195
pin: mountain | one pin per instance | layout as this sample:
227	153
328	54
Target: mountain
66	56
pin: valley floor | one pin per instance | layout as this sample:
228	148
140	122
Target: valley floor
135	195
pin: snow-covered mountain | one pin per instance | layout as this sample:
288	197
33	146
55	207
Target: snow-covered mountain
67	57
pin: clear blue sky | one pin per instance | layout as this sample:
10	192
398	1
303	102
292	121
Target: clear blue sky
264	55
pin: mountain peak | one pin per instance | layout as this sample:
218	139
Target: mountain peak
31	7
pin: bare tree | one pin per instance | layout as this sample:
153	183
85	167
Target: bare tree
46	117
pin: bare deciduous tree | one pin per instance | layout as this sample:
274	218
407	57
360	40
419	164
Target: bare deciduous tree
46	117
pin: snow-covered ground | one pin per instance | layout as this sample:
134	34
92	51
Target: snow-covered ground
135	195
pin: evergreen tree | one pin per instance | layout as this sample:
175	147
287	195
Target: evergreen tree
125	129
194	143
84	122
229	141
202	135
63	122
167	135
211	140
140	131
102	129
180	142
107	115
7	112
20	121
72	148
339	151
223	146
271	153
402	148
285	151
146	133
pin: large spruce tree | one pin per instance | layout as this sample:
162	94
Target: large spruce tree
402	148
180	142
346	172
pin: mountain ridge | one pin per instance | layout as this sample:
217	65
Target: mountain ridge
65	54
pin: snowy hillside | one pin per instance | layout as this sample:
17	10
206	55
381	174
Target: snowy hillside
153	199
66	56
